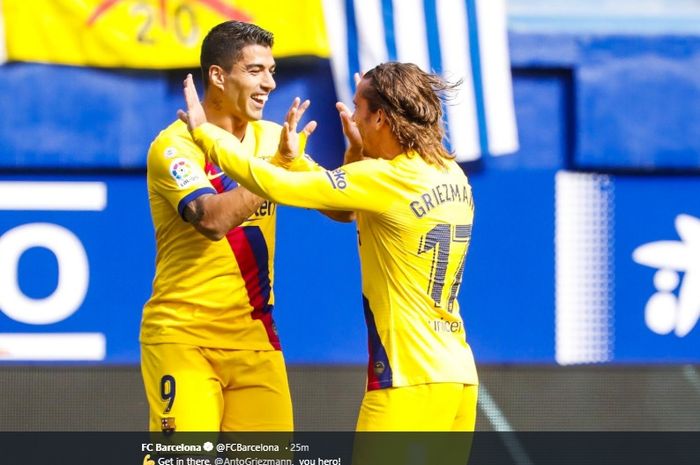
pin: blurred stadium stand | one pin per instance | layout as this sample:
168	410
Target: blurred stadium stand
606	90
327	398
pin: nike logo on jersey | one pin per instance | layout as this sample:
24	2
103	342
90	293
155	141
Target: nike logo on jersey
211	176
219	179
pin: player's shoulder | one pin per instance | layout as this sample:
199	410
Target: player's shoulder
455	170
368	163
172	141
266	134
267	126
368	168
175	133
175	130
173	148
448	168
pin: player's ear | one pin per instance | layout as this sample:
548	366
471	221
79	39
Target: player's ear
380	118
216	76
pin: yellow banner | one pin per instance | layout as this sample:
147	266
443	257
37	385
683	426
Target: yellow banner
157	34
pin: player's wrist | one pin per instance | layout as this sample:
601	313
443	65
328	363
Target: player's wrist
283	161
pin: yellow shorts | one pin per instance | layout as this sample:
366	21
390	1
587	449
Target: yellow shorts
424	407
193	388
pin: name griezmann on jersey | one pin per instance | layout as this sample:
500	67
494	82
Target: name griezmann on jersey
439	194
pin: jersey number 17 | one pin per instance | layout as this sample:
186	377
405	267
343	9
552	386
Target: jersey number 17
439	240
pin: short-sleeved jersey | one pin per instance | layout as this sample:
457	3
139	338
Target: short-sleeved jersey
414	223
208	293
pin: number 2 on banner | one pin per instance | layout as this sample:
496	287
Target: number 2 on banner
184	22
439	239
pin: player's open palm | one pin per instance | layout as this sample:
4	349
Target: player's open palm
289	146
349	127
194	116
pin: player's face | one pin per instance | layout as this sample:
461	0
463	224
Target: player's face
364	119
248	85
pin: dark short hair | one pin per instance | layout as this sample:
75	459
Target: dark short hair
224	44
412	101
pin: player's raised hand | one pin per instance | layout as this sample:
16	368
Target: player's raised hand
354	151
194	116
289	138
352	134
358	78
349	127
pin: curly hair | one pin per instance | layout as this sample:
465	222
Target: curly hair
412	101
224	44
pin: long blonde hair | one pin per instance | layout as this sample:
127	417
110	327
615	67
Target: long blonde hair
412	101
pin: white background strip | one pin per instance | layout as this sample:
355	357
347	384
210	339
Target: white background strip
454	45
52	346
18	195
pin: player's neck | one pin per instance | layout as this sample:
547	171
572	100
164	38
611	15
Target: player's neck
216	115
389	148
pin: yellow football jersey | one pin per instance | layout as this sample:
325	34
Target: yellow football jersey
414	223
211	294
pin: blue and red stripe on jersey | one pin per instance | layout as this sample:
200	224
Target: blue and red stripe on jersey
379	373
250	249
219	179
190	197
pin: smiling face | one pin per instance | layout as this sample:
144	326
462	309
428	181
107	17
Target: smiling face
247	86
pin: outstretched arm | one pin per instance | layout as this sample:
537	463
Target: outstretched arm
343	189
354	151
352	154
289	145
214	215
